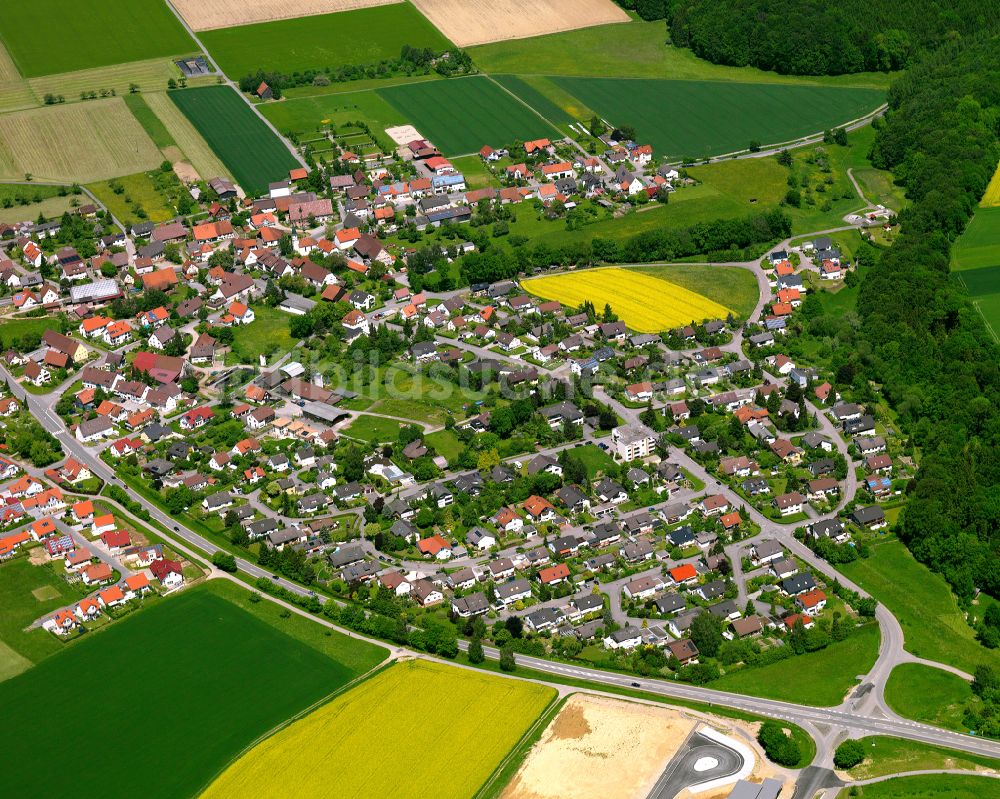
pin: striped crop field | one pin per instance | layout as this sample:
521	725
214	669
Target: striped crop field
78	142
645	303
397	733
246	145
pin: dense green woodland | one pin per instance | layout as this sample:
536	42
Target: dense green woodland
919	336
819	37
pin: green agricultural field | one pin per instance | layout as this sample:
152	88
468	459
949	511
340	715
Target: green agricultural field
267	335
730	286
89	33
632	50
189	653
933	625
924	693
559	109
895	755
932	786
18	648
246	146
463	114
975	262
361	36
334	745
688	119
150	122
836	669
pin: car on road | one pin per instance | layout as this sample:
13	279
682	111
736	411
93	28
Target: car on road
636	684
275	577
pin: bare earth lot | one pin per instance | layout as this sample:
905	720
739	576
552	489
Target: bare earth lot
606	748
469	22
203	15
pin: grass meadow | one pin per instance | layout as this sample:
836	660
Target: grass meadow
248	148
833	672
930	695
195	678
689	119
430	712
360	36
933	625
267	335
894	755
20	649
89	33
932	786
644	302
20	203
463	114
143	192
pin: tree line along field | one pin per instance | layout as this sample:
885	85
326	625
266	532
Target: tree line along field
441	722
695	119
45	37
248	148
79	142
361	36
645	303
463	114
192	680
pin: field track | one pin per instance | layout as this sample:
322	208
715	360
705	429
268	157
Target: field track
469	22
82	142
203	16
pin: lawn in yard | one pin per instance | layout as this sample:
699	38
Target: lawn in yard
644	302
320	41
933	625
373	429
333	745
190	650
89	33
463	114
247	147
835	670
595	459
693	119
729	286
895	755
267	335
924	693
477	175
632	50
446	443
931	786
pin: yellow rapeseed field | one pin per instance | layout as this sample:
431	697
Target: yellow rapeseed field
418	729
991	198
645	303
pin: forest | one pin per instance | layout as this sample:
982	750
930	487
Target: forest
819	37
